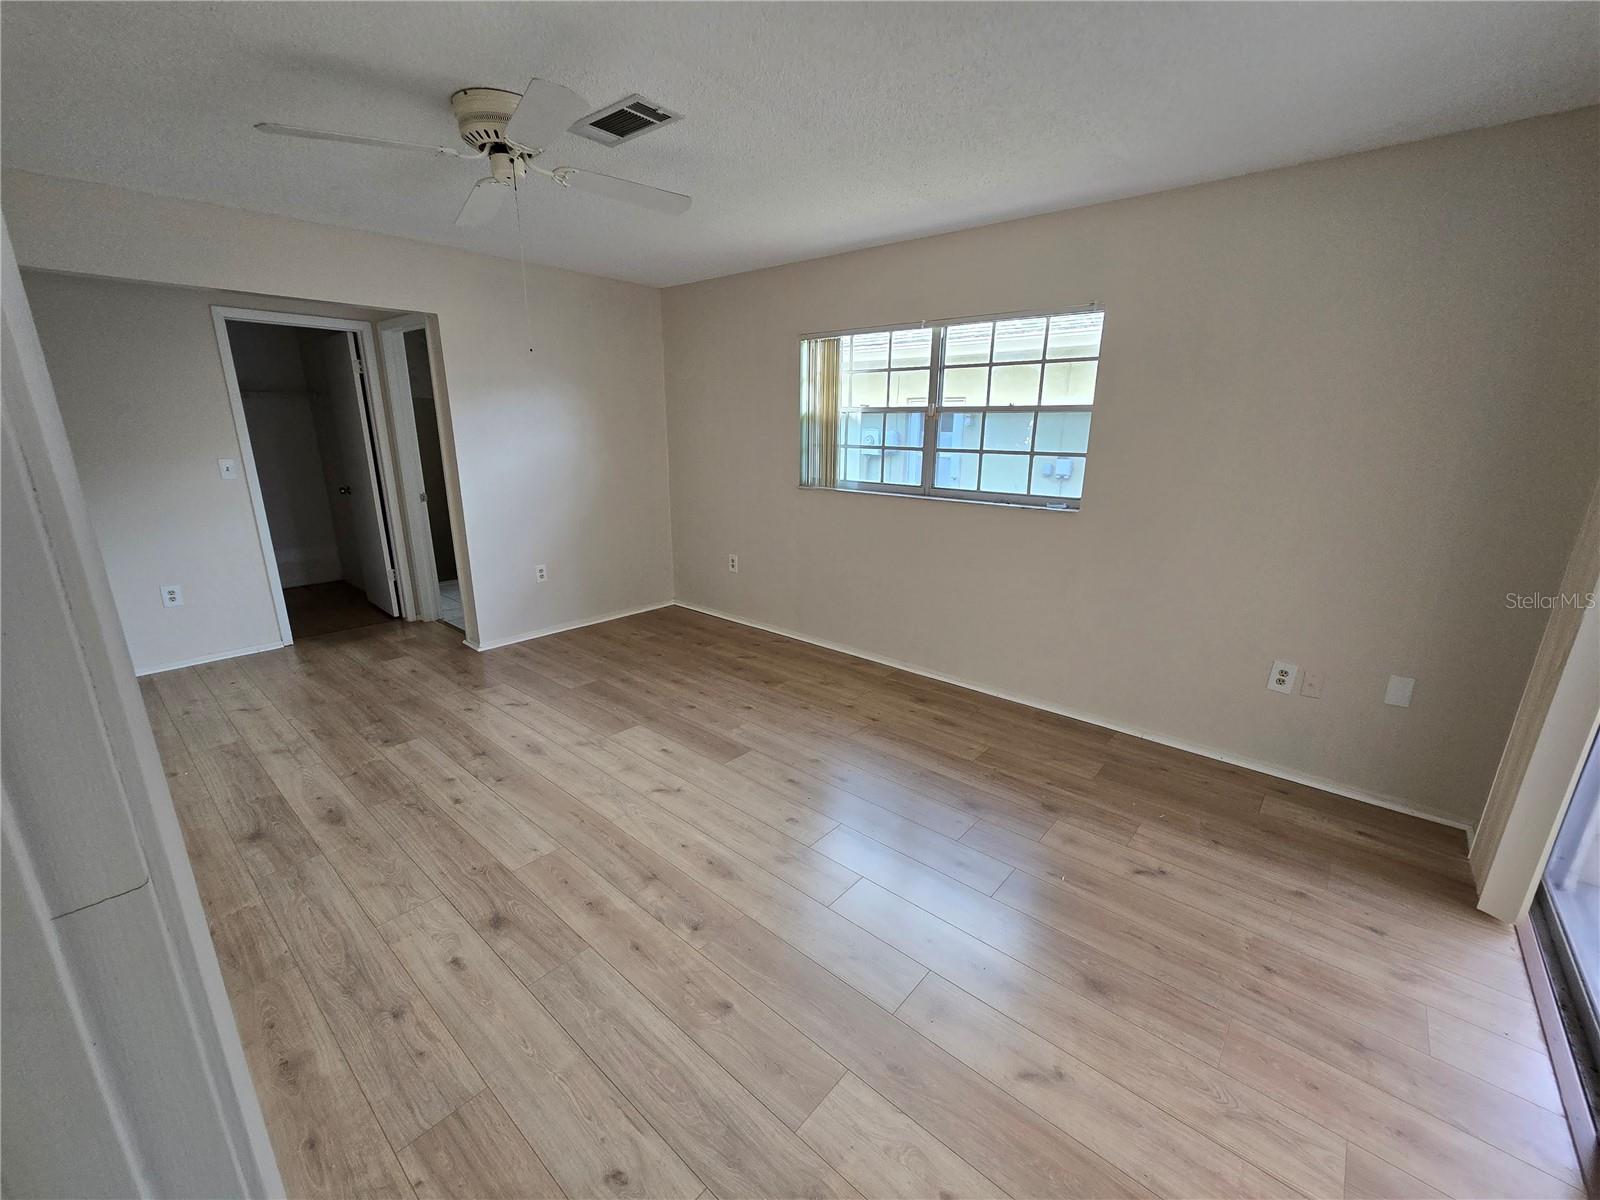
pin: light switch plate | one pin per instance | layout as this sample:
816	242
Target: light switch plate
1311	685
1398	693
1282	677
228	468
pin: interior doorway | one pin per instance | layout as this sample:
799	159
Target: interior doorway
312	434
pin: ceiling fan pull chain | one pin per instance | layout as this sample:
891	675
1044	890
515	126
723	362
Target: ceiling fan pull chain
522	256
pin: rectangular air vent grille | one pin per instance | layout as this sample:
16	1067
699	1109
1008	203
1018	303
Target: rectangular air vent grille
623	121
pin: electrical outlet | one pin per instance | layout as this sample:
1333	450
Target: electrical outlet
1398	693
733	563
1311	685
542	573
228	468
1282	677
172	596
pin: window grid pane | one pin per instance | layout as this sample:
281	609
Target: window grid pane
1012	398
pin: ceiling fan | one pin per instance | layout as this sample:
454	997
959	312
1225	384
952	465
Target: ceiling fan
512	133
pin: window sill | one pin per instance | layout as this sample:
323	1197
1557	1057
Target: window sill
980	502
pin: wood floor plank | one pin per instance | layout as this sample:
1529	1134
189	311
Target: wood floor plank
1368	1177
477	1153
590	1138
728	1138
1216	971
1517	1126
1000	1137
790	859
1134	997
1498	1060
856	957
266	831
500	827
884	1153
656	885
1435	1152
1340	934
527	936
195	712
250	950
778	1065
835	788
324	1134
797	820
1155	1148
408	1066
1244	1119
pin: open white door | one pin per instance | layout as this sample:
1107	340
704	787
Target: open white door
358	503
413	487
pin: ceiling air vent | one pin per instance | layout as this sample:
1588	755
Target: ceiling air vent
623	121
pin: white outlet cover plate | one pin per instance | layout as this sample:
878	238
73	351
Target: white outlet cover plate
1398	693
172	596
227	468
1282	677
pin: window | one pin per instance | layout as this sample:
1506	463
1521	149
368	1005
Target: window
993	409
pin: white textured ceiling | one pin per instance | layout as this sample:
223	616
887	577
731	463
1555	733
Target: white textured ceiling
809	128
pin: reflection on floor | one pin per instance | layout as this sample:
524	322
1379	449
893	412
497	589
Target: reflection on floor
450	611
319	608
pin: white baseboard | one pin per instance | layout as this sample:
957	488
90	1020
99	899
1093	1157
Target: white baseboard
210	658
579	624
1288	774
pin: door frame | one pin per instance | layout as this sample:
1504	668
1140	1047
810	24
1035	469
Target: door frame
115	1038
374	413
418	528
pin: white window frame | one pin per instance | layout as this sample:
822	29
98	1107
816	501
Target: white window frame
935	407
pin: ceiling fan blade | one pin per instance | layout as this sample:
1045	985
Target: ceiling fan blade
323	135
545	112
625	190
483	202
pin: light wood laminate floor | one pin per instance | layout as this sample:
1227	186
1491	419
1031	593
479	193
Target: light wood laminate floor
671	907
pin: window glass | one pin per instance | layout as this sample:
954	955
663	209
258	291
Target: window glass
908	388
1062	431
1053	476
1007	414
912	348
869	351
1019	339
1008	431
903	429
1004	473
1014	386
869	390
1069	383
1076	335
968	343
860	465
956	471
959	430
902	467
966	386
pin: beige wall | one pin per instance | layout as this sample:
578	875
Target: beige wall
561	448
1549	739
1343	409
